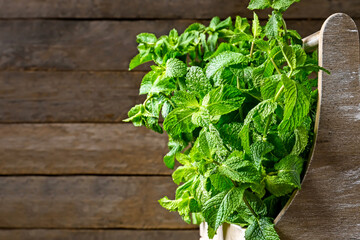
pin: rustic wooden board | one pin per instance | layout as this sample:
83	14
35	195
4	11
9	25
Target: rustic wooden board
42	234
68	96
199	9
81	149
87	202
328	205
86	45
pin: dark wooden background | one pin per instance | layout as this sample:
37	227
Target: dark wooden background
69	168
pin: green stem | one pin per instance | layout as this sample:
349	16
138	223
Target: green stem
279	93
276	67
249	207
252	48
267	125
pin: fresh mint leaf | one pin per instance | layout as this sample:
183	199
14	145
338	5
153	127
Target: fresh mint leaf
183	174
196	82
239	170
219	207
301	140
262	229
223	100
259	4
224	59
282	5
256	28
175	68
297	104
273	26
147	38
286	177
221	182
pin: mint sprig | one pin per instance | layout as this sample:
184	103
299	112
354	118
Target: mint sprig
237	102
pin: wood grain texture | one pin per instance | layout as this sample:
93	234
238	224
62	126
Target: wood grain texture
41	234
163	9
328	205
87	45
68	96
81	149
87	202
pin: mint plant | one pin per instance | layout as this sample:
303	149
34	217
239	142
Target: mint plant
239	107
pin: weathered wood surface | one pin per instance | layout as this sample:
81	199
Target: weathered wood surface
87	202
41	234
328	205
81	149
68	96
146	9
87	45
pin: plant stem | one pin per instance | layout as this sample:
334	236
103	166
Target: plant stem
249	207
252	48
279	93
267	127
276	67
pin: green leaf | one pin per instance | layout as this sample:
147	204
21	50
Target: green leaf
215	143
264	110
261	229
179	120
195	27
224	24
240	170
153	82
219	207
258	150
241	24
199	189
256	28
196	82
256	203
183	174
287	176
229	204
221	182
140	59
183	205
301	140
297	105
289	55
282	5
259	4
222	100
175	68
148	38
230	135
175	146
273	26
268	86
223	60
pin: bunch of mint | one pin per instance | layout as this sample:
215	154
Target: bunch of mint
239	106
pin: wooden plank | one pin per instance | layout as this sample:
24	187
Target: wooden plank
81	149
327	206
68	96
199	9
42	234
87	202
86	45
